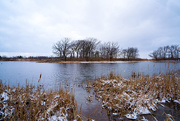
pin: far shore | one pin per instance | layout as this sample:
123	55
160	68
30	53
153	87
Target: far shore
55	60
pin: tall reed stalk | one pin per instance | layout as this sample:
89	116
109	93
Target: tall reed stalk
34	103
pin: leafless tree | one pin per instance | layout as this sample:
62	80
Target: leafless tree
130	53
62	48
154	55
166	52
87	47
109	50
91	46
72	49
174	51
124	53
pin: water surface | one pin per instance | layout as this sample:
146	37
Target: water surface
55	73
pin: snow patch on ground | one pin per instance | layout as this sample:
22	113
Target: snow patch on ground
142	110
131	116
57	118
4	96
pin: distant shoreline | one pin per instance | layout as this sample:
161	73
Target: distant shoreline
90	61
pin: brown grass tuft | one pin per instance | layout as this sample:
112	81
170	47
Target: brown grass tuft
136	95
34	103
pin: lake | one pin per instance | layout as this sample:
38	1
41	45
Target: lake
73	74
53	74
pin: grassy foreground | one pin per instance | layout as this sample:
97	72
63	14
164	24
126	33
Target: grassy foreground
33	103
133	97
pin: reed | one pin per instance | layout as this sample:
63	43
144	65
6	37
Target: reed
134	96
34	103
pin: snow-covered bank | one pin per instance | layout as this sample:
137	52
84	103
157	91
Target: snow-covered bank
32	103
133	97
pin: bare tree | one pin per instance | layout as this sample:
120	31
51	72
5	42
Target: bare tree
171	52
124	53
178	52
57	49
165	51
62	48
109	50
174	51
154	55
130	53
113	50
72	49
91	44
77	47
86	48
81	48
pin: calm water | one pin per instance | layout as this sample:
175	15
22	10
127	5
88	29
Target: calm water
55	74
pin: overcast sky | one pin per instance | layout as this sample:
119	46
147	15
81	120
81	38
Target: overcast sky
31	27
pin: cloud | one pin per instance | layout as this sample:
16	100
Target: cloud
31	26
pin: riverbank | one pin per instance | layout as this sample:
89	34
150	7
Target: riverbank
134	98
92	61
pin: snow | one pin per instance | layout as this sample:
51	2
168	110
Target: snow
143	110
4	96
144	119
57	118
162	105
57	96
177	101
131	116
106	81
152	107
14	90
137	111
115	114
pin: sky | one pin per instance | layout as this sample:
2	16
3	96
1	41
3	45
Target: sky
31	27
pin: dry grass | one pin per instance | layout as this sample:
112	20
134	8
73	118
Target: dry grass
131	97
33	103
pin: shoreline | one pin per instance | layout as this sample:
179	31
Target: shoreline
91	61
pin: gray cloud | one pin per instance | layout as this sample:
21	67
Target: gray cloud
31	26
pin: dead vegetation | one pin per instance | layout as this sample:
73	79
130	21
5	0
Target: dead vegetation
131	97
33	103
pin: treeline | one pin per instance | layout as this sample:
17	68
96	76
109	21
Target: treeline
166	53
4	58
90	49
17	58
